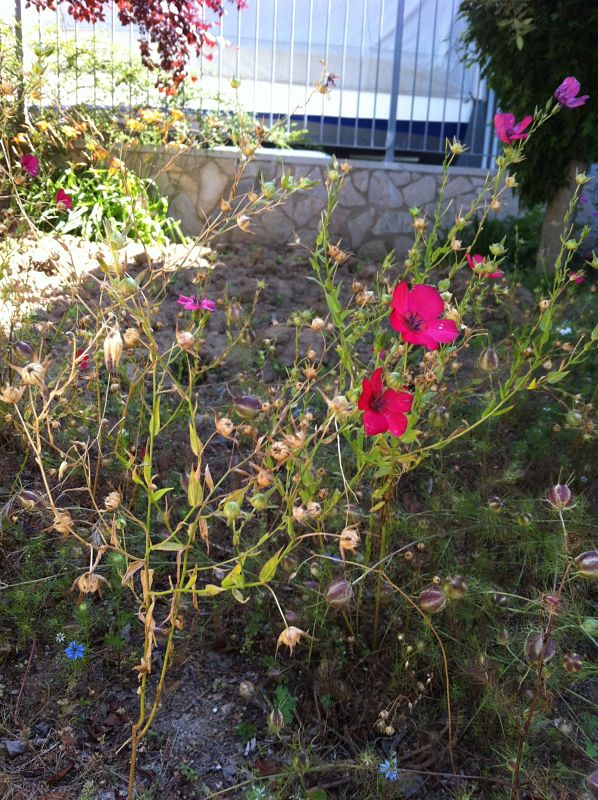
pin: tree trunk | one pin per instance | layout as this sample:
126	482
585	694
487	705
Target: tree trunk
552	227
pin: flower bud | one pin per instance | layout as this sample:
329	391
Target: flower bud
497	249
587	564
455	588
495	504
571	244
559	496
276	720
24	349
259	501
339	593
592	784
572	662
113	349
439	417
581	178
535	645
247	406
317	324
131	338
432	599
456	147
231	511
488	360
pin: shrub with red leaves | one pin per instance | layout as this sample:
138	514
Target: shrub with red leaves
176	28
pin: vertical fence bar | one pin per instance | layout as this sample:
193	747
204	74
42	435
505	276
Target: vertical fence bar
414	82
112	55
377	78
427	125
326	55
361	60
291	65
238	57
57	17
391	131
461	94
273	75
256	47
486	150
446	83
308	60
76	64
22	110
343	73
475	112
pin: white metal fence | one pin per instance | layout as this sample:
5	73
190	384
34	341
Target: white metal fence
402	88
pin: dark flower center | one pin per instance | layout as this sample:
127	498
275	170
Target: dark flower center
377	403
414	321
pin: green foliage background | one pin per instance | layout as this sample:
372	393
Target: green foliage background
525	49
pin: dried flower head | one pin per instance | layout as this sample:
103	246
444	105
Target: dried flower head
89	583
63	523
317	324
112	501
131	338
299	514
33	374
314	509
185	340
336	254
225	427
291	637
348	540
113	349
280	451
11	394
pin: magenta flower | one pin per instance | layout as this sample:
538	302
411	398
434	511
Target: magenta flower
476	263
577	277
506	129
383	409
30	164
63	200
415	316
566	93
195	303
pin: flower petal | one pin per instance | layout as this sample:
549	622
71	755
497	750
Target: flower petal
397	402
397	424
366	395
442	330
397	322
426	301
374	423
400	297
376	381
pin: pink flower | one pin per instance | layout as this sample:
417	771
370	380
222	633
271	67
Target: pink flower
577	277
63	200
195	303
84	363
415	316
383	409
566	93
476	263
506	129
30	164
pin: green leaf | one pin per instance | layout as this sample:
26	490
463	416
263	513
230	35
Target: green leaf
234	579
268	571
555	377
170	546
196	445
159	494
154	425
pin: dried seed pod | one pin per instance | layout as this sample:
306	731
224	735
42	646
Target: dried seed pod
63	523
432	599
225	427
314	509
280	451
339	593
455	588
299	514
535	650
348	540
559	496
185	340
592	784
33	374
131	338
587	564
112	501
30	499
246	690
276	720
290	637
572	662
11	394
113	349
89	583
317	324
24	349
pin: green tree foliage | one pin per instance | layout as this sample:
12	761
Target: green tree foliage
525	49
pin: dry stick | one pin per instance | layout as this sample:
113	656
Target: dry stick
19	696
538	690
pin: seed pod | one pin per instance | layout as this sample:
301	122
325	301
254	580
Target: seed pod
348	540
455	588
289	562
535	645
246	690
131	338
314	509
559	496
29	499
231	511
495	504
63	523
299	514
432	599
572	662
587	564
439	417
225	427
113	349
574	418
291	637
24	349
185	340
259	501
89	583
317	324
248	406
112	501
33	374
11	394
280	451
488	360
339	593
525	519
592	784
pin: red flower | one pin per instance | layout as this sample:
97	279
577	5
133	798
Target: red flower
30	164
383	409
63	200
84	363
415	316
476	263
577	277
506	129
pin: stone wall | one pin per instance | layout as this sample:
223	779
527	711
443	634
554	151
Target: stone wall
372	217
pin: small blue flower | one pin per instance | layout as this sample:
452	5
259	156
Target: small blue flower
389	769
74	651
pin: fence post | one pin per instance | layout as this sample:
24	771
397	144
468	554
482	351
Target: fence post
391	133
20	60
